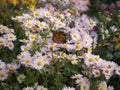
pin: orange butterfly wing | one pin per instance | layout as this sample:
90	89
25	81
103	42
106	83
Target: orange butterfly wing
59	37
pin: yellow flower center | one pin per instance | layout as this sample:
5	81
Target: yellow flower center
97	73
101	88
39	63
106	71
55	56
52	47
10	45
41	88
75	36
80	82
33	37
27	61
60	24
2	75
1	41
77	46
72	59
119	70
29	24
47	14
21	78
22	56
41	25
55	20
11	67
11	37
91	23
90	59
84	87
65	45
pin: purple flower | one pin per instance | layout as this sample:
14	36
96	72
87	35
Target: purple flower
112	8
118	3
103	6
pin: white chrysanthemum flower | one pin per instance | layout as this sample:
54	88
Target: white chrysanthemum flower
102	86
73	59
80	81
110	88
21	78
78	46
52	46
91	23
38	63
60	25
2	41
27	61
10	45
30	45
10	30
35	29
3	75
2	66
96	73
24	48
75	35
42	25
23	55
89	59
77	76
23	40
29	24
47	14
97	59
28	88
87	42
68	46
12	66
41	88
118	70
63	55
1	26
111	65
37	54
36	13
4	29
46	59
68	88
107	72
55	20
10	37
32	37
85	86
61	16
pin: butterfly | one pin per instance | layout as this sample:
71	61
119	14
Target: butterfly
59	37
71	12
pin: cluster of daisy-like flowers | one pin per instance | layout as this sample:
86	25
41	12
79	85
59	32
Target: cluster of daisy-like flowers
38	28
6	68
97	68
39	87
39	49
7	37
77	5
36	87
101	67
84	83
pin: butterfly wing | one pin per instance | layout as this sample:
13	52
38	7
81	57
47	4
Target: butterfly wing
59	37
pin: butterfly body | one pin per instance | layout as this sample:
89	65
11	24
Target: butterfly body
59	37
